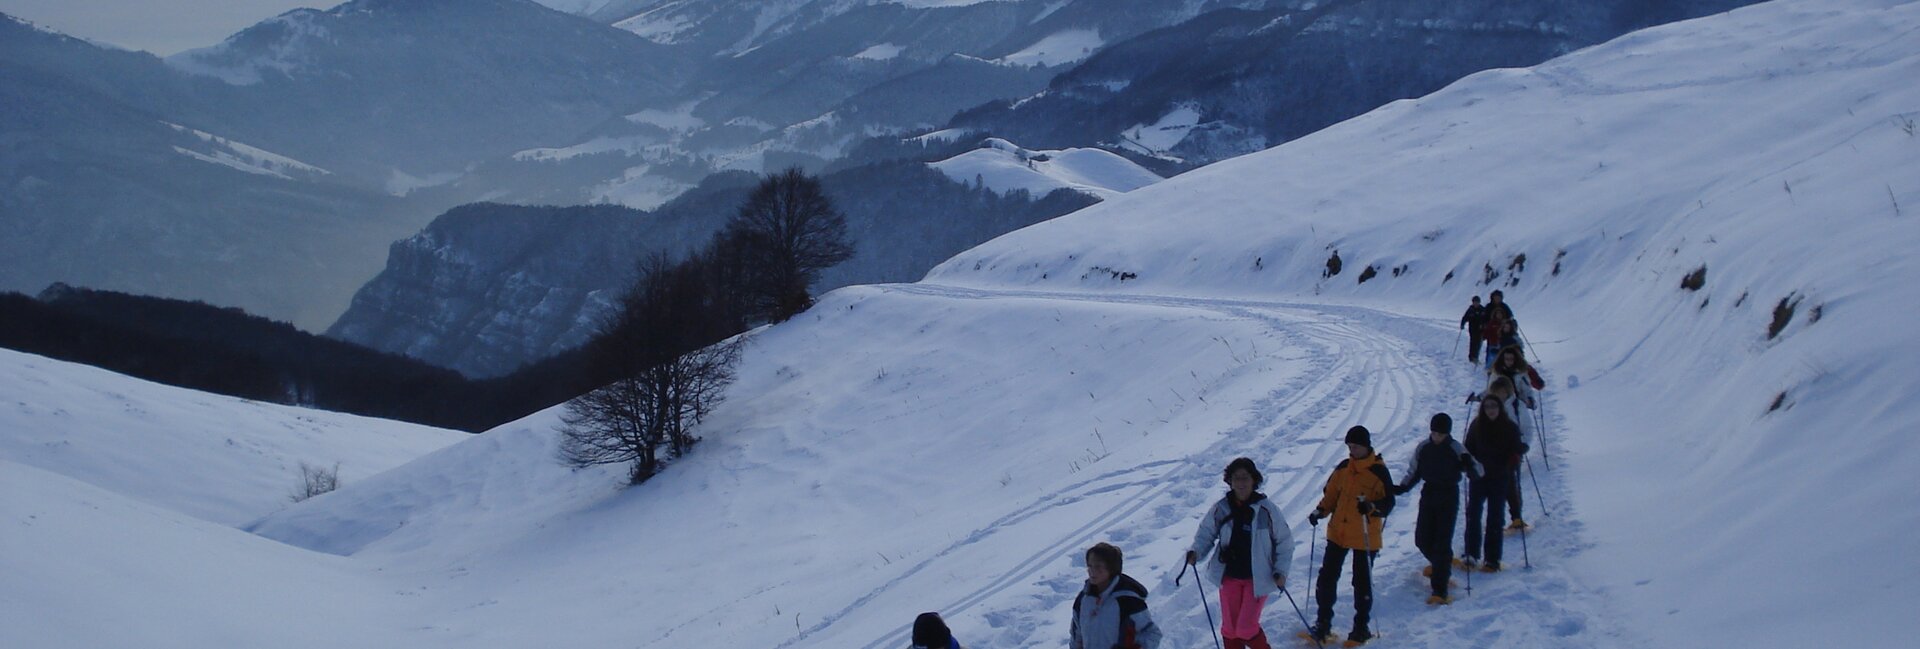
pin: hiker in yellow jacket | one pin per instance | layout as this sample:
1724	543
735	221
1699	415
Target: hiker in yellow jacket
1358	497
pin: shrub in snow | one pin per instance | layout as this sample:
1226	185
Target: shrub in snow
316	480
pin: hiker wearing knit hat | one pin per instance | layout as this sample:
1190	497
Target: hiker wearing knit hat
930	632
1438	461
1359	435
1357	498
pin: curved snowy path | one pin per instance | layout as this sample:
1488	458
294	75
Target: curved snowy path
1386	371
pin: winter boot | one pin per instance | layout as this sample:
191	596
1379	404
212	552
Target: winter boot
1427	571
1358	637
1319	634
1466	563
1438	599
1517	525
1492	566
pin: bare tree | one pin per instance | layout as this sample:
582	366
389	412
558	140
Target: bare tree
789	231
316	480
669	350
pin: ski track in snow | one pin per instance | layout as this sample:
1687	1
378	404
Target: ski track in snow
1368	368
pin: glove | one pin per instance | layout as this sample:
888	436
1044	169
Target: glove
1530	405
1472	397
1192	558
1314	518
1401	490
1366	508
1524	448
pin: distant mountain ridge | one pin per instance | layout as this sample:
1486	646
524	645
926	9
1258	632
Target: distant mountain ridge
411	83
123	172
488	288
1238	80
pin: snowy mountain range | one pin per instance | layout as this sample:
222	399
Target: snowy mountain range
413	107
1724	459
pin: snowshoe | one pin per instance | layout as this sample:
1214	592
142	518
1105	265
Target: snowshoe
1358	637
1438	600
1517	525
1466	563
1491	566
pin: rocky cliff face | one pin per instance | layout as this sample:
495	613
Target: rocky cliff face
488	287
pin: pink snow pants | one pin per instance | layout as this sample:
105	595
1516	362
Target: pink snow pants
1239	609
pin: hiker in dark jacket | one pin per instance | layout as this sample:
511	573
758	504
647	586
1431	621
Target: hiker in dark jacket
1250	549
1474	321
1499	328
1111	611
931	632
1494	441
1515	384
1439	461
1358	497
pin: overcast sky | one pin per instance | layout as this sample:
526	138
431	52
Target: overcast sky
159	26
168	26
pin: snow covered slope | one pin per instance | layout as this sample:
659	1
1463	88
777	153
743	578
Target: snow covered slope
953	445
221	459
1003	167
1773	146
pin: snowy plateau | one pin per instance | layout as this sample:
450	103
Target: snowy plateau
1729	465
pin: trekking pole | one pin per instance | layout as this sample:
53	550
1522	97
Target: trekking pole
1540	415
1536	487
1456	342
1524	556
1370	556
1303	617
1215	628
1523	340
1469	570
1313	543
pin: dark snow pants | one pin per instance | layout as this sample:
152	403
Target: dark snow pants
1362	586
1513	494
1488	494
1473	346
1433	532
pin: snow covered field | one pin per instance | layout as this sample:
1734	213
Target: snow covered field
953	445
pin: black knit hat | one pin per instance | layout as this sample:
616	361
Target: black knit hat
931	631
1441	423
1243	464
1359	435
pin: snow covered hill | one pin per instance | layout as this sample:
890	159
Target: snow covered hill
224	460
1003	167
953	445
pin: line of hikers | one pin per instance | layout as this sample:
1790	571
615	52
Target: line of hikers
1248	546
